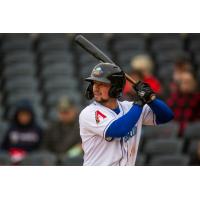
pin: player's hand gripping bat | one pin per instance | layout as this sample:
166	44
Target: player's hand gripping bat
97	53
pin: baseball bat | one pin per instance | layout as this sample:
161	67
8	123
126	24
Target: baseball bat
97	53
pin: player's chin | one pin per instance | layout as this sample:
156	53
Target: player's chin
100	99
97	98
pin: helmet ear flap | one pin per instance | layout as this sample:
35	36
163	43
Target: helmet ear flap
89	91
115	92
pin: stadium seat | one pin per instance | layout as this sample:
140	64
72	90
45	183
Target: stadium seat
11	45
193	146
56	69
52	114
169	130
13	98
3	127
23	69
85	59
5	159
2	111
192	131
163	147
52	36
23	82
170	56
60	82
40	159
57	57
19	56
165	71
170	160
140	160
129	45
52	45
76	161
194	45
162	45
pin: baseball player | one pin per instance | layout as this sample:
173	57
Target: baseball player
110	129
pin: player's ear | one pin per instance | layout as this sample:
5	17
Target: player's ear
89	92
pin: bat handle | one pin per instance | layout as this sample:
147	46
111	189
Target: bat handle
133	81
130	79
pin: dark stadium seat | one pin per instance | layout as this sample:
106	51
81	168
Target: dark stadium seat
193	146
23	69
2	111
3	126
130	45
192	131
170	56
197	58
75	161
5	159
19	56
51	36
56	69
14	97
52	114
23	82
169	130
170	160
194	45
52	45
86	59
140	160
57	57
60	82
40	159
163	147
162	45
16	44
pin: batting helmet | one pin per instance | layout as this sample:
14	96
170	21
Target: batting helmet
107	73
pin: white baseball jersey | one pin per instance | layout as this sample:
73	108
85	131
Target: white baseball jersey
95	119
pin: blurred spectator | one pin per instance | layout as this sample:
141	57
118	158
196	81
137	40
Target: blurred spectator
142	69
62	136
24	134
185	101
181	65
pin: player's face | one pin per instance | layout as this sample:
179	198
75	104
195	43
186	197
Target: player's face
101	91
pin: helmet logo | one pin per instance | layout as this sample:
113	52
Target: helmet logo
97	72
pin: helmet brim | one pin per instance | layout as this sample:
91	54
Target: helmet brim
103	80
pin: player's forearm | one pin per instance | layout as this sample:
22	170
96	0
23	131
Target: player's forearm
162	111
123	125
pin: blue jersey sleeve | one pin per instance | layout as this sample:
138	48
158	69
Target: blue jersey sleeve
123	125
162	111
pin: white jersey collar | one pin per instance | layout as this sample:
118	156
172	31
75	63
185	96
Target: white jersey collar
119	105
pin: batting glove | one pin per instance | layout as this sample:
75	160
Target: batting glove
144	92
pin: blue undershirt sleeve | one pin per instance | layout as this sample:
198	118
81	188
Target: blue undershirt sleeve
123	125
162	111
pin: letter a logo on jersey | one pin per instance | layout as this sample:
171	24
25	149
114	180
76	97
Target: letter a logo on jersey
99	116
